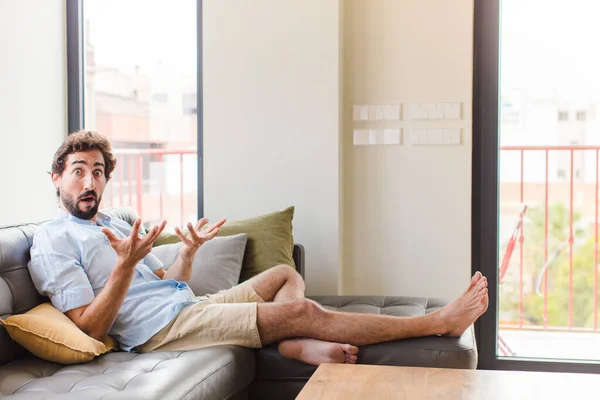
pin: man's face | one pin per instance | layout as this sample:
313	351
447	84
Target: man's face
81	184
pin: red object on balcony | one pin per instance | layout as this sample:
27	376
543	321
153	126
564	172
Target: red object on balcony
511	245
504	348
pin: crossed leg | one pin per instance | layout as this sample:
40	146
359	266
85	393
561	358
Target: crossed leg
291	316
283	285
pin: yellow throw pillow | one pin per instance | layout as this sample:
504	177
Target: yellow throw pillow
52	336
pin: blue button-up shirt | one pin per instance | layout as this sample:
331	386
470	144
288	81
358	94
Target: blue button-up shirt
71	261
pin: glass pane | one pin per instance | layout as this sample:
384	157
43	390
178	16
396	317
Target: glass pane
141	91
549	145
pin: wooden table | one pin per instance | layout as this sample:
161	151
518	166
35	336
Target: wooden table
343	381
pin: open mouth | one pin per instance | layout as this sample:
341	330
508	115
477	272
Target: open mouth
88	200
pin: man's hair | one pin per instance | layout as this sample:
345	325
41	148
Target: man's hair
84	140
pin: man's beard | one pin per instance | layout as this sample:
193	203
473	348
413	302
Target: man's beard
71	205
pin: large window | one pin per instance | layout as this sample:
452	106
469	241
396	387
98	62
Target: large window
541	260
134	77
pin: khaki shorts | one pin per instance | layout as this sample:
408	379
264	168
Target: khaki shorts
224	318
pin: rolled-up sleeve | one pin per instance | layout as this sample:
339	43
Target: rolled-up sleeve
57	272
152	262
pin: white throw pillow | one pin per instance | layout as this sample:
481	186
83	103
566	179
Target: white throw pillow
216	266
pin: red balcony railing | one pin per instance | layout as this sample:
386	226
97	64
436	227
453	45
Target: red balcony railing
158	184
540	176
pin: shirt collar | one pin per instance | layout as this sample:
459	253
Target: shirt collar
101	219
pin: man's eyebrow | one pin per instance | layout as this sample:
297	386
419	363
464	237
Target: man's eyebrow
96	164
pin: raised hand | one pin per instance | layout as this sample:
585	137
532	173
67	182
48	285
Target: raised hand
134	248
196	236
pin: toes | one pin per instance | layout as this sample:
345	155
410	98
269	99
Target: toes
350	359
481	284
349	349
484	296
476	277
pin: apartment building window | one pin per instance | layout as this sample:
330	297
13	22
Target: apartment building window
128	80
510	116
190	103
581	115
563	115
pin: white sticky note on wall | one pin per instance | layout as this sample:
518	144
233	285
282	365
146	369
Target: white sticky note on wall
429	108
417	111
372	112
414	111
364	113
436	136
372	136
391	136
361	137
437	112
451	110
418	136
452	136
392	112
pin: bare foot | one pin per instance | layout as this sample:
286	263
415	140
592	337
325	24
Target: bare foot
462	312
316	352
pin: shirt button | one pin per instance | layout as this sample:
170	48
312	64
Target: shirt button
58	291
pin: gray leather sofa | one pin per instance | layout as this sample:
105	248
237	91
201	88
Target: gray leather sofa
222	372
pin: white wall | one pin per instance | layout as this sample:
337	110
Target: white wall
278	74
32	105
407	209
271	120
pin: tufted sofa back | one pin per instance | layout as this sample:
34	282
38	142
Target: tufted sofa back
17	293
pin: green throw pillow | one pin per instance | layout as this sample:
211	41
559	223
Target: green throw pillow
270	241
167	238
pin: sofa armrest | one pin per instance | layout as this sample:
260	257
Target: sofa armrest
298	256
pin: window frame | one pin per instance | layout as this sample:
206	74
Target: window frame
76	84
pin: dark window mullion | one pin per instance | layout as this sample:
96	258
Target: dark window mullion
75	65
200	113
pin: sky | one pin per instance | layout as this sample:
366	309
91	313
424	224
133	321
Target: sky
126	33
552	45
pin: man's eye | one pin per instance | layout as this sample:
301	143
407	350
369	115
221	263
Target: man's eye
77	172
98	173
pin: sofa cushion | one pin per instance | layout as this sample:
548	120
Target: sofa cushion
276	374
216	266
52	336
211	373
